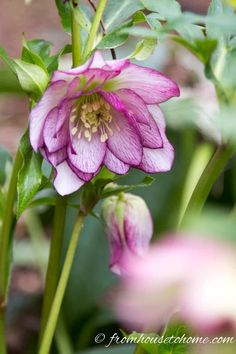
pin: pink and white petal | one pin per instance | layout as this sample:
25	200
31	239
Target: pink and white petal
87	156
158	160
114	164
55	158
66	181
84	176
53	139
150	135
69	75
51	98
98	60
148	83
125	143
134	104
138	230
118	64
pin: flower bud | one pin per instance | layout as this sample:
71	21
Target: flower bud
129	227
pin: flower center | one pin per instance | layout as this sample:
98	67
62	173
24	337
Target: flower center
91	114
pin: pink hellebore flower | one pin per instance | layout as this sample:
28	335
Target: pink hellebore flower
129	228
188	278
102	113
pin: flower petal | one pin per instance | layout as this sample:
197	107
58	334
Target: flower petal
50	99
84	176
135	104
138	230
55	158
66	181
114	164
158	160
148	83
125	142
150	134
87	156
55	140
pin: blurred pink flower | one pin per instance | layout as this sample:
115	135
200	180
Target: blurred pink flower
192	279
102	113
129	228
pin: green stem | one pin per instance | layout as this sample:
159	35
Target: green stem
5	240
76	40
56	305
207	180
53	270
94	28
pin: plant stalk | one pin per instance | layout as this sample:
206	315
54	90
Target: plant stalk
94	28
60	291
207	180
76	41
53	269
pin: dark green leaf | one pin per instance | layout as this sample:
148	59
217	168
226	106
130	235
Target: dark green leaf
8	81
64	10
30	175
53	61
115	38
32	58
5	158
40	46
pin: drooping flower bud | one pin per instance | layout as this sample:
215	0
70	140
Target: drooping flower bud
129	227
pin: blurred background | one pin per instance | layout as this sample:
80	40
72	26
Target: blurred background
83	313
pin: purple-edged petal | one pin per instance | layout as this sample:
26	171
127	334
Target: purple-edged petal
148	83
84	176
158	160
55	158
150	135
134	104
114	164
87	156
118	64
125	142
50	99
66	181
53	139
138	230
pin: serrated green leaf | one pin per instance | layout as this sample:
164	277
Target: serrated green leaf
118	12
144	49
64	10
29	177
32	78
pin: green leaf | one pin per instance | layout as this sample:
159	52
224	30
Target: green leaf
113	189
41	47
9	81
64	10
118	349
82	18
118	12
32	78
30	175
5	158
169	9
144	49
115	38
7	60
31	57
52	62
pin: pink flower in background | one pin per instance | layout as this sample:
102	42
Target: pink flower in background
129	228
188	278
102	113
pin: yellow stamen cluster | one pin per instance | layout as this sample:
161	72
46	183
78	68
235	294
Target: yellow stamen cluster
90	116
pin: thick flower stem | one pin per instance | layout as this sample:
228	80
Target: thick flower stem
76	41
60	291
5	245
53	269
207	180
94	28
